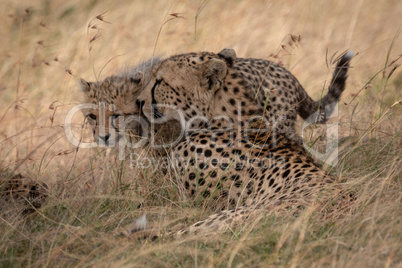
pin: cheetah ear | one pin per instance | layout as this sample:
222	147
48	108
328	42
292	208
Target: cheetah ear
213	74
84	85
136	78
228	55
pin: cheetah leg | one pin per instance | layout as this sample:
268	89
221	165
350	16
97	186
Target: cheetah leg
224	220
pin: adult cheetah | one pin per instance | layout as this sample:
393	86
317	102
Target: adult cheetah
234	161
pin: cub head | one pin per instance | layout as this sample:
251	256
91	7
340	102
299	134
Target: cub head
184	87
112	103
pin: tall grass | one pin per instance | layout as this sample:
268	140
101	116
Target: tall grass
47	45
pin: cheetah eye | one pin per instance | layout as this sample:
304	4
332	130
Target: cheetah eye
92	116
115	119
157	82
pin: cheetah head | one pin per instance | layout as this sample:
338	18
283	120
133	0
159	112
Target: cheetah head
112	103
184	86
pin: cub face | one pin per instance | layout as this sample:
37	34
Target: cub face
110	107
113	108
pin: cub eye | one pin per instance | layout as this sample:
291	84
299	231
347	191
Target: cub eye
92	116
115	119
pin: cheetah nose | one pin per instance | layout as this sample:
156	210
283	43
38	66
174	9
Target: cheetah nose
105	138
139	103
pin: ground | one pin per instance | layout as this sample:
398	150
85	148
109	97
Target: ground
48	45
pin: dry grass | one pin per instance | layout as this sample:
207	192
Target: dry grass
47	45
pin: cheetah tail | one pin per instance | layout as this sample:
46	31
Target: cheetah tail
327	104
337	85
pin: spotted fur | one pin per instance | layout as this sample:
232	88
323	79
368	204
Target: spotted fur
280	92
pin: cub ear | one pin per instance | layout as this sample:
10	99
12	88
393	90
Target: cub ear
136	78
213	74
228	55
84	85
